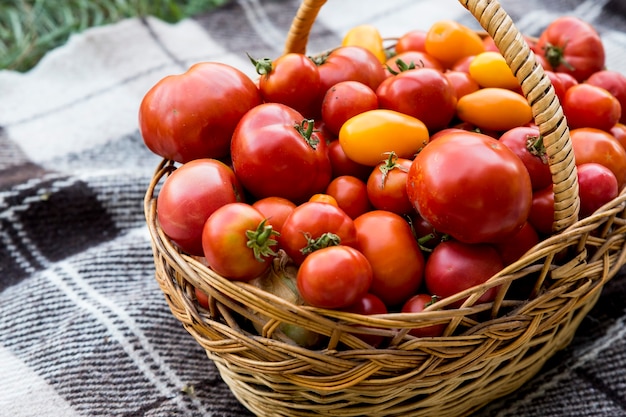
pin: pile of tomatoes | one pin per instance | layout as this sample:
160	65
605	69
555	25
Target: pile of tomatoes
390	176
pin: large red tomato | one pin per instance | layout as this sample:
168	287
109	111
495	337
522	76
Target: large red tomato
573	46
188	197
471	187
387	241
193	115
276	152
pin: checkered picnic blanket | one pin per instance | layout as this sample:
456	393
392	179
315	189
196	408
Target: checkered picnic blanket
84	328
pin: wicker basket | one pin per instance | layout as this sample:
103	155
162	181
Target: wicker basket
487	350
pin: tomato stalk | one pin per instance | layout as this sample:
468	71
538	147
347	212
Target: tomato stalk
390	164
262	66
325	240
555	56
536	147
261	241
306	130
403	66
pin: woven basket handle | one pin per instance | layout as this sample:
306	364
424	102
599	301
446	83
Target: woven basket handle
536	86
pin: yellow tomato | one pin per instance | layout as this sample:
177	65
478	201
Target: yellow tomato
368	37
490	69
494	109
368	137
450	41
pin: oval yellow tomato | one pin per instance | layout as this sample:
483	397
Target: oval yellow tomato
368	137
490	69
450	41
368	37
494	109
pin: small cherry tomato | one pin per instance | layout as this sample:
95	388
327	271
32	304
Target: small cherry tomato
455	266
418	303
494	109
334	277
237	242
597	186
386	185
449	41
490	69
350	194
345	100
275	210
387	241
368	137
586	105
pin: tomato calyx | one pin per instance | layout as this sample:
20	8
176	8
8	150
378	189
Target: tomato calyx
263	66
403	66
556	56
325	240
262	240
536	147
390	164
432	301
306	129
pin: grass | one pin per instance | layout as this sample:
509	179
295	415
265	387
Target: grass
30	28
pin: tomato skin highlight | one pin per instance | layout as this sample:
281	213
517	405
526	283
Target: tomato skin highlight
368	137
193	115
334	277
470	186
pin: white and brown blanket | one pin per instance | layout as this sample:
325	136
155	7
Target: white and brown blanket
84	328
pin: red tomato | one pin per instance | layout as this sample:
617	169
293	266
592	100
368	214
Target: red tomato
342	165
386	185
418	303
557	83
315	225
527	143
237	242
411	41
387	241
426	235
455	266
411	60
619	132
424	93
292	79
276	152
188	197
193	115
275	210
334	277
597	186
615	83
202	298
368	305
594	145
470	186
514	247
344	100
586	105
573	46
541	214
462	82
351	195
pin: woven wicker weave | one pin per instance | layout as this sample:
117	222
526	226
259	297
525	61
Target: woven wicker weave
487	350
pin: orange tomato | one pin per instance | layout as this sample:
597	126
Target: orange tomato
368	37
595	145
494	109
490	69
324	198
449	41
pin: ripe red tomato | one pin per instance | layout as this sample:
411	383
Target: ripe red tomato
597	186
423	93
595	145
615	83
455	266
334	277
387	241
237	242
541	215
470	186
315	225
292	79
416	304
188	197
351	195
386	185
514	247
586	105
344	100
462	82
275	210
368	305
193	115
342	165
573	46
276	152
526	142
619	132
412	40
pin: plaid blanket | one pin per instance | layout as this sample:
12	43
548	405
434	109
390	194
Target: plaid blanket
84	328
